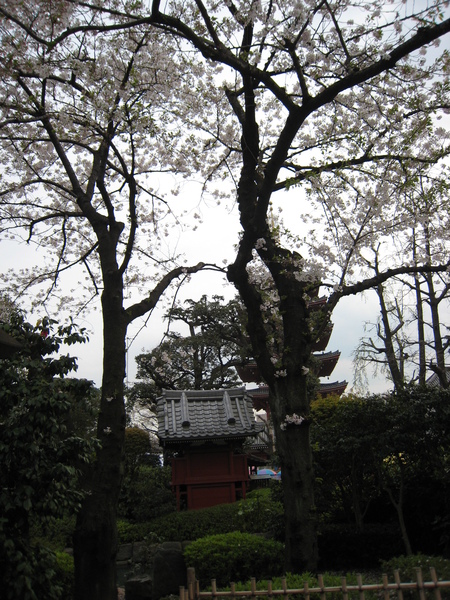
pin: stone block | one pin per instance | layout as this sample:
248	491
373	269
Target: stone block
139	588
169	570
125	552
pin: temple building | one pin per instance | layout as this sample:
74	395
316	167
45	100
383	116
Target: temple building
208	436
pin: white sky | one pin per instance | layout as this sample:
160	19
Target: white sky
212	241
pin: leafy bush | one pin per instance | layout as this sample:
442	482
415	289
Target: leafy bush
256	514
407	566
260	513
65	574
234	557
42	454
194	524
146	494
136	532
55	534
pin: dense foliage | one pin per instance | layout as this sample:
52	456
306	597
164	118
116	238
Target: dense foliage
41	454
234	556
407	566
146	495
385	459
146	489
258	513
212	342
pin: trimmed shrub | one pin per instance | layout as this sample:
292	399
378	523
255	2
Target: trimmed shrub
194	524
407	566
256	514
234	557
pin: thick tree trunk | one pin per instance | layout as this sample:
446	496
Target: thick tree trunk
356	500
95	539
294	450
398	505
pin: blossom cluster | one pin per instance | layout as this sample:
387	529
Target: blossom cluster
293	419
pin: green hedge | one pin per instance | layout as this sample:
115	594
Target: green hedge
297	582
234	557
258	513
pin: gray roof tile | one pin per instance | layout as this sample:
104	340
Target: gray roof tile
188	415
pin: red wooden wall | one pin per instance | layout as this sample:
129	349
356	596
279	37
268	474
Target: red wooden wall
209	476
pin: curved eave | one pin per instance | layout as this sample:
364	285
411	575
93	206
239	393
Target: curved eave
209	438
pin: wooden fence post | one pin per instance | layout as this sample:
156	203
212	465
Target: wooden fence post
191	583
420	583
434	579
398	582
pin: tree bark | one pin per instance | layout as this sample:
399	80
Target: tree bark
437	337
394	368
95	539
294	450
420	320
398	505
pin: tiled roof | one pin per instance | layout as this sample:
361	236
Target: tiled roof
326	363
189	415
434	381
335	387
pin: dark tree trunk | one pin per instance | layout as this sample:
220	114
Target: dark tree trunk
394	368
95	539
434	300
420	321
280	338
437	337
294	450
398	505
420	333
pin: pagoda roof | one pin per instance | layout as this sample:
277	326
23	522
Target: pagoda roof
317	302
434	381
335	387
201	415
261	393
321	344
249	372
327	361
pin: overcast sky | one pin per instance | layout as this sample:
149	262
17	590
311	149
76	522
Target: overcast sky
211	240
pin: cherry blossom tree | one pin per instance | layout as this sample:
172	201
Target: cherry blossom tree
86	133
335	99
330	100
